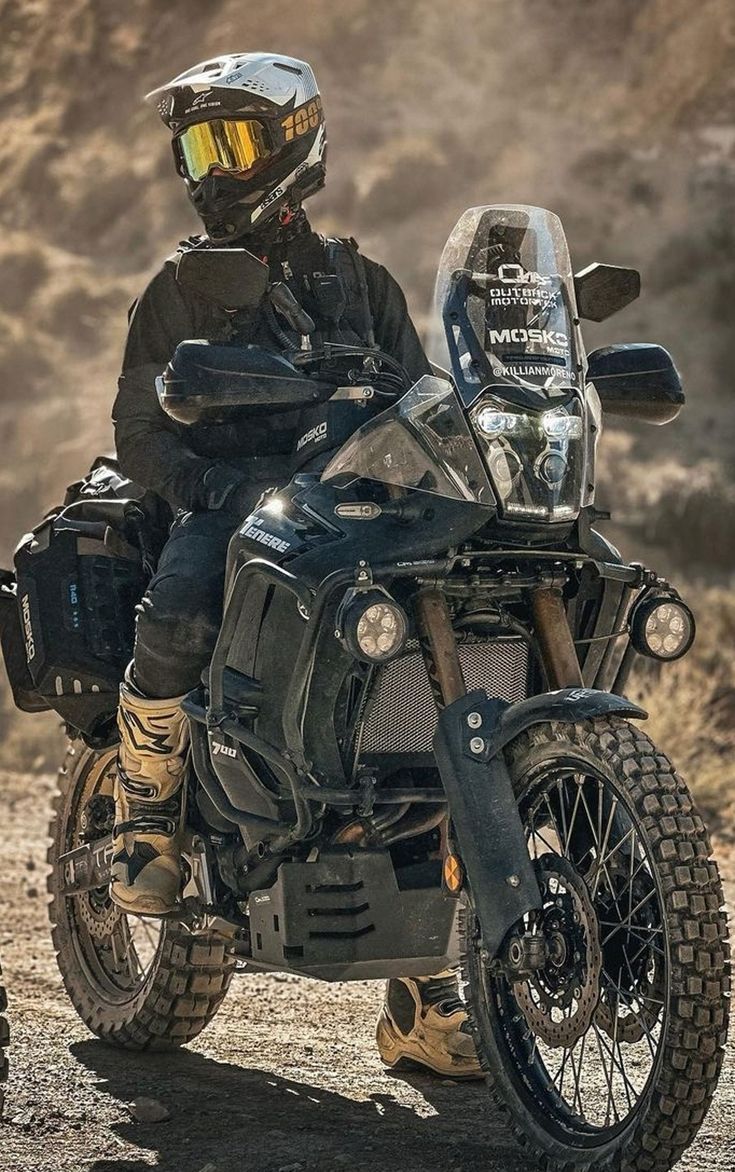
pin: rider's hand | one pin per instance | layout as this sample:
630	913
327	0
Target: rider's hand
221	486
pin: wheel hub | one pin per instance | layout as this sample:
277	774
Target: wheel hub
96	909
559	1000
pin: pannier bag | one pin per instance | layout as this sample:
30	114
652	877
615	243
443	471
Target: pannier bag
12	642
78	578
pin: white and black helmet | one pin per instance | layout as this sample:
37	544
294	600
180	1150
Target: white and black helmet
255	114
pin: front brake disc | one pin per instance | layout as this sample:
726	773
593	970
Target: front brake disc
559	1000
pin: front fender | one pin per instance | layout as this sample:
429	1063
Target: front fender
503	722
470	737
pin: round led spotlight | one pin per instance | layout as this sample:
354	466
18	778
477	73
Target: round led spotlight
372	625
662	627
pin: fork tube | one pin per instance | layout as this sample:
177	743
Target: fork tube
439	647
558	652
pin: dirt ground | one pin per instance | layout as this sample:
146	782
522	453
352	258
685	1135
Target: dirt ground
286	1078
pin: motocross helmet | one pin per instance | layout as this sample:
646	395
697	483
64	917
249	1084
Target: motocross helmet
255	115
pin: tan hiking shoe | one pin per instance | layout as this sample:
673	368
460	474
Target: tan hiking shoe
149	795
423	1021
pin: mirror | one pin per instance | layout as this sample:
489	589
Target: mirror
604	289
638	380
230	277
204	382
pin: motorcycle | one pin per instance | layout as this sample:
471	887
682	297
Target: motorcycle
412	748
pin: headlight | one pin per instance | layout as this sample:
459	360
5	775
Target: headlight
493	423
662	627
560	425
372	625
536	459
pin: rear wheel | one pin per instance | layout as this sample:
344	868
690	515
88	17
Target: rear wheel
134	982
608	1054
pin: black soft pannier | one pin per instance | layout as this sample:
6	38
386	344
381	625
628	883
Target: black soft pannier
12	641
69	612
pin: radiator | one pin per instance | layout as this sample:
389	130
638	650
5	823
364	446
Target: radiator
399	714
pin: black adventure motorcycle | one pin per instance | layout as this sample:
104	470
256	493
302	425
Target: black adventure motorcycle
412	746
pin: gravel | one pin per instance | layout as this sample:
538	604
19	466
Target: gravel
287	1076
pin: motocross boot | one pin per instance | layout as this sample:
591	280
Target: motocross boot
424	1022
149	798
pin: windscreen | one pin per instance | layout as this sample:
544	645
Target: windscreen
504	303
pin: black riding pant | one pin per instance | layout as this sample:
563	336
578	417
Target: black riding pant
180	614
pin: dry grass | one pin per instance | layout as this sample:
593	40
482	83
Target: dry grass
692	709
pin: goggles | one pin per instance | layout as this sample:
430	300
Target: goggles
232	144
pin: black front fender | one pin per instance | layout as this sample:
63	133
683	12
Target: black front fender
505	721
469	741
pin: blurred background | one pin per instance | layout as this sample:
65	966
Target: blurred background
619	115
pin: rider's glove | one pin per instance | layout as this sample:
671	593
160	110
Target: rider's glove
221	486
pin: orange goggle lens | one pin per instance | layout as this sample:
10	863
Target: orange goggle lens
229	144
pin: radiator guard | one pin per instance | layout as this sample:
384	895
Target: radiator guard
399	715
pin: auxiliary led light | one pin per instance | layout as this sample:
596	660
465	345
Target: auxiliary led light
662	627
380	630
373	626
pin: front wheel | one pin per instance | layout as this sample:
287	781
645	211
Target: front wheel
137	983
608	1054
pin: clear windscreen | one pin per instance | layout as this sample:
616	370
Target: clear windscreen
422	442
504	302
514	432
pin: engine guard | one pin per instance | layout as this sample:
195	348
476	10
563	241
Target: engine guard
469	741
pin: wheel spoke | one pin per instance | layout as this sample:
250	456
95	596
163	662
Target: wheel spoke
591	1031
634	912
554	822
614	850
577	1073
572	820
631	876
563	809
601	865
642	1024
608	1079
131	954
603	848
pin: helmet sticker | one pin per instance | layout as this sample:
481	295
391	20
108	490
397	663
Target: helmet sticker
300	121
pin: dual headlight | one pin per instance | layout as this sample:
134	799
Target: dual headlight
556	424
536	459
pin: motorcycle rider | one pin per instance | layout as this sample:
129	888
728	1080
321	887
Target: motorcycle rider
249	142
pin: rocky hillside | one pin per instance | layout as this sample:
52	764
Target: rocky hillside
617	115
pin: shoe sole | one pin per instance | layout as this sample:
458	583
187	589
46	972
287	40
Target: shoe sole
415	1066
139	908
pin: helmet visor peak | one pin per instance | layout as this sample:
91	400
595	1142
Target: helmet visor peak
227	144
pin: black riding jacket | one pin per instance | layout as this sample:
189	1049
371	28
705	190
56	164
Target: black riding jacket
196	467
